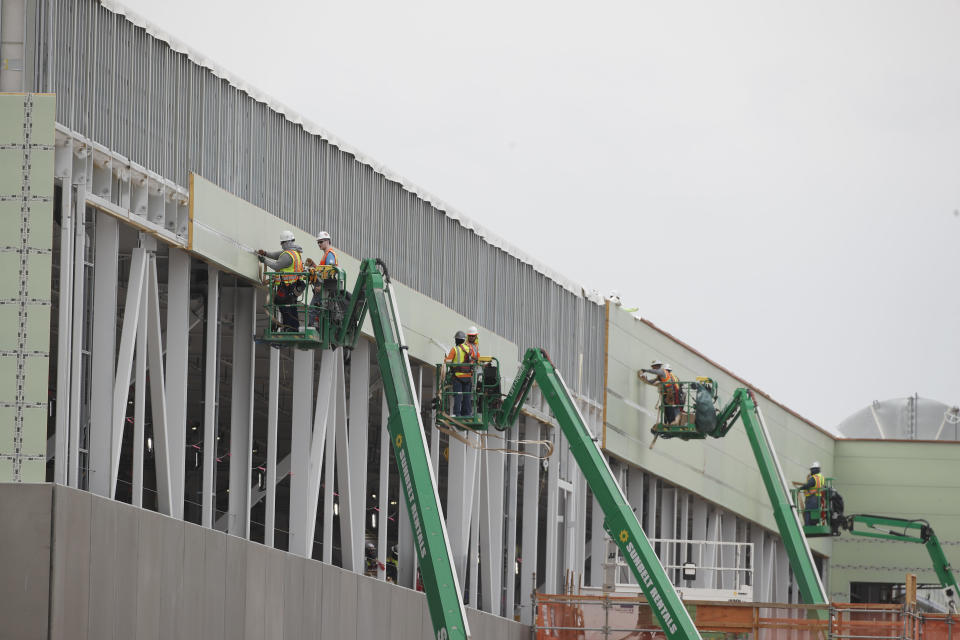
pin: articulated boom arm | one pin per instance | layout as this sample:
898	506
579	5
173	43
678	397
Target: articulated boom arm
888	528
742	405
619	519
372	292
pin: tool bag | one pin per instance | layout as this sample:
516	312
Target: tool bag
706	412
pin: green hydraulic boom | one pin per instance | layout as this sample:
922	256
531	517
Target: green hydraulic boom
620	521
337	324
717	425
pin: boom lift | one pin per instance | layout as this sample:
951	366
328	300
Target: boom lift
339	320
620	521
832	522
700	419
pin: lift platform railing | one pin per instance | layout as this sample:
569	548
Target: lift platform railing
306	312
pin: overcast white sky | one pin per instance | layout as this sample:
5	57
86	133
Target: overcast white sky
777	184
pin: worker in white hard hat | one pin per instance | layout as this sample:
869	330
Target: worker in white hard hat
288	263
473	342
323	278
669	389
813	496
460	362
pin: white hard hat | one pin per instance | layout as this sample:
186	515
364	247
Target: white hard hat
668	367
656	363
472	331
815	465
286	236
323	235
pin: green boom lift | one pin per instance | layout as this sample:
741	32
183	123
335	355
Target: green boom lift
830	520
698	418
338	321
620	522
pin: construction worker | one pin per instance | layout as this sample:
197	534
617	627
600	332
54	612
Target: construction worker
473	342
669	390
460	359
812	494
288	262
323	278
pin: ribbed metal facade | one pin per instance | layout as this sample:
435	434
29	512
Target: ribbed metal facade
131	92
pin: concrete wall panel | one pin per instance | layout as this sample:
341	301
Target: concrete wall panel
149	574
254	613
235	590
373	608
103	568
313	619
171	575
214	584
406	615
69	598
273	598
190	617
293	598
349	612
330	602
25	530
125	586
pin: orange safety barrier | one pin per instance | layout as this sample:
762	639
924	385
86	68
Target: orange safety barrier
579	617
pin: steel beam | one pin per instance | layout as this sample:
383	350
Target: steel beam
64	334
491	530
338	408
158	396
241	411
139	405
103	348
211	386
121	386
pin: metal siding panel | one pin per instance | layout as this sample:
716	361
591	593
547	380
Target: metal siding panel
25	539
70	603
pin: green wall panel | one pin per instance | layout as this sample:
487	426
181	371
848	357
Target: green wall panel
26	191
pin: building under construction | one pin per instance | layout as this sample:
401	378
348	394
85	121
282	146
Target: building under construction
169	472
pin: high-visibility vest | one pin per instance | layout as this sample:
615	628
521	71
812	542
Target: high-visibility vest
818	483
474	350
323	260
461	355
671	390
287	274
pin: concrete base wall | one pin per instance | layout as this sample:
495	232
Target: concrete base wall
79	566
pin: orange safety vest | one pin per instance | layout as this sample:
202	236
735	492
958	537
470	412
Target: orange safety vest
460	355
817	487
290	274
323	260
474	350
671	390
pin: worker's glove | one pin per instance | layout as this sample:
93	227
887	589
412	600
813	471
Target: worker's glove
309	262
261	252
260	256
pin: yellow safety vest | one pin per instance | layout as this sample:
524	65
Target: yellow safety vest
818	483
461	355
287	273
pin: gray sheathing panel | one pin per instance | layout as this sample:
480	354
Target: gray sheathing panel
406	614
348	606
69	597
103	569
125	586
373	603
25	531
235	590
256	577
330	613
171	575
293	597
149	572
273	600
313	575
214	584
190	617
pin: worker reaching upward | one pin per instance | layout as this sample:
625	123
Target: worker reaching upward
669	390
460	360
473	342
288	262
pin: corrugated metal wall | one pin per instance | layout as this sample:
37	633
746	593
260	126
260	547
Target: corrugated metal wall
132	93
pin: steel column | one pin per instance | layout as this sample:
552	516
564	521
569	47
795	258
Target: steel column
531	536
300	542
272	411
359	436
210	395
241	411
158	396
64	335
510	568
551	582
103	348
76	341
139	405
491	530
178	338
